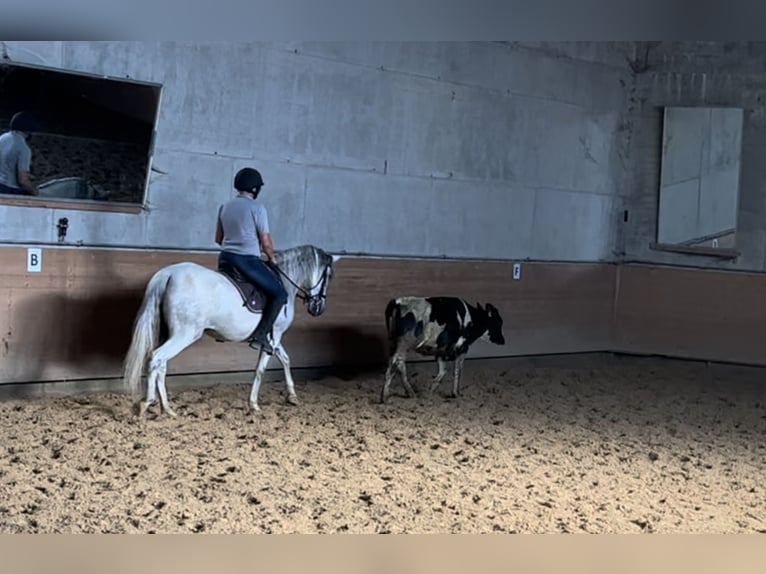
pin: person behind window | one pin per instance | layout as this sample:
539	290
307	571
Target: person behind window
16	157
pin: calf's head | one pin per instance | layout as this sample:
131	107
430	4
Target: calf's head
494	325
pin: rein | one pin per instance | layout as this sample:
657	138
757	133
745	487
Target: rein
303	294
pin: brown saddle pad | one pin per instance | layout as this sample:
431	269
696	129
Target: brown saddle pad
252	297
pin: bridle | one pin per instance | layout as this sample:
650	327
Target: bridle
304	294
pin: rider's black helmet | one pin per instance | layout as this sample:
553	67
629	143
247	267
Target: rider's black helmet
248	179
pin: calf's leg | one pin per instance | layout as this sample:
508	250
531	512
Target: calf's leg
389	377
439	375
458	371
396	362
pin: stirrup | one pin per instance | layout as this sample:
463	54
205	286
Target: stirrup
264	346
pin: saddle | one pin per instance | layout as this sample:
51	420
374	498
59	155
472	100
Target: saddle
252	297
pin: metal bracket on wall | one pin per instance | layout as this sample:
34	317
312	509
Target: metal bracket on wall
62	226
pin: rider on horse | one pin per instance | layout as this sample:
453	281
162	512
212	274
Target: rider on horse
243	233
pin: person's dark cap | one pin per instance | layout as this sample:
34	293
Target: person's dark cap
24	122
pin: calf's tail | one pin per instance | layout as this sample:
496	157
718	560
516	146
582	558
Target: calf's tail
393	316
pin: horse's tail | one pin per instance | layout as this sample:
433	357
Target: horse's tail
146	331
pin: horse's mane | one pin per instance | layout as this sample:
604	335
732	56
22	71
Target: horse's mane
301	261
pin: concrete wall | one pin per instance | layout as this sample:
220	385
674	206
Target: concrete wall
696	74
485	150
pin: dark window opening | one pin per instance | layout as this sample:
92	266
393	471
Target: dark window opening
96	134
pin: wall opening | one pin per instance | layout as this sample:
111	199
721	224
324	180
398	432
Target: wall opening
96	134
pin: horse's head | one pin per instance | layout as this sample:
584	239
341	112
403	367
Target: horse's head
309	270
316	290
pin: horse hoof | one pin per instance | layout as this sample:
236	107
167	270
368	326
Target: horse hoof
143	407
172	413
292	400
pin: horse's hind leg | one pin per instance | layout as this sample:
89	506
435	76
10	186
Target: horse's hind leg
162	390
151	393
158	368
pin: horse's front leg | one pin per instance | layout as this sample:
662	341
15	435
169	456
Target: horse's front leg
263	361
284	358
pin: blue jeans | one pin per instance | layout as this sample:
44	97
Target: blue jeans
259	273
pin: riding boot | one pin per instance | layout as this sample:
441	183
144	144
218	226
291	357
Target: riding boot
260	339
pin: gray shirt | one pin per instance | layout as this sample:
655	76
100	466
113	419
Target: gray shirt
15	156
242	220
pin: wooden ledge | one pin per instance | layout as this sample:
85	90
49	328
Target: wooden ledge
702	251
73	204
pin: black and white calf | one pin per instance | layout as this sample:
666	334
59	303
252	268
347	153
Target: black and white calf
442	327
